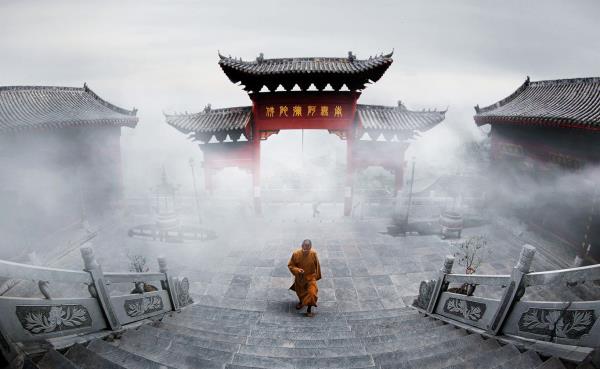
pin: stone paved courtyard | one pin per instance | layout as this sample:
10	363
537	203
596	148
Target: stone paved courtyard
364	268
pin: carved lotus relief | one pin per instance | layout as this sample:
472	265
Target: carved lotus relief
571	324
468	310
48	319
142	306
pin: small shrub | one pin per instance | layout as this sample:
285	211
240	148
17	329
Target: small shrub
470	252
137	263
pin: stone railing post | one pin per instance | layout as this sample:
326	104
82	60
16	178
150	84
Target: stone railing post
98	289
168	284
514	291
440	284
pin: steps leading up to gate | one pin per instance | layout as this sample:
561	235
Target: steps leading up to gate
209	337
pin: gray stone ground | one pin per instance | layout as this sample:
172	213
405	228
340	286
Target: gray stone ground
364	268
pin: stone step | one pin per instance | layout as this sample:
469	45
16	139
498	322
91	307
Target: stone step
348	343
384	313
390	322
87	359
393	319
189	340
221	314
313	352
181	360
29	364
54	360
212	325
452	353
416	331
199	333
297	316
489	360
443	334
355	361
222	311
417	325
122	357
526	360
301	327
147	338
552	363
462	343
306	335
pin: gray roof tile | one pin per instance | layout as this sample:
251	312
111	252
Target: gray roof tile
563	102
397	118
31	107
212	120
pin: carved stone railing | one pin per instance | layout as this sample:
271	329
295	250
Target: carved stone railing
26	320
562	322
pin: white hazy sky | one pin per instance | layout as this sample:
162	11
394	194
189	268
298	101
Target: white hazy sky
160	55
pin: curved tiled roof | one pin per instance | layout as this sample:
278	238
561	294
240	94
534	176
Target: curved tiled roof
31	107
397	118
563	103
348	65
371	118
288	72
212	120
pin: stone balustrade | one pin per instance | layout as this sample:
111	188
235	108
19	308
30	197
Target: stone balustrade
573	323
27	321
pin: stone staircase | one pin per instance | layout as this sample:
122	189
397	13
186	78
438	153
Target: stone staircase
215	337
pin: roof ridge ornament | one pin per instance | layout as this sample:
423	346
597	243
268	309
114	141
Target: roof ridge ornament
207	108
260	58
388	55
351	57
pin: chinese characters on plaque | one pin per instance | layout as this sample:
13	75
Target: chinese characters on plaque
299	111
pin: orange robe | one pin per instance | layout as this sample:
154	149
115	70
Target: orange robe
305	284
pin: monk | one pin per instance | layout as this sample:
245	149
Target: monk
304	265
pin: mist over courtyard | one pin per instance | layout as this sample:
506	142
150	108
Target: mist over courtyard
400	138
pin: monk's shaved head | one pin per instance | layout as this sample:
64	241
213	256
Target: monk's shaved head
306	245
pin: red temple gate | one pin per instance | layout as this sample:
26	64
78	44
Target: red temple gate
386	129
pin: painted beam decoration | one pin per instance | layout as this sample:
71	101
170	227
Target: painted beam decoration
50	319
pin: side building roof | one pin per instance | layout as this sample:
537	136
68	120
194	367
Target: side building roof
320	71
211	120
371	118
397	118
567	103
34	107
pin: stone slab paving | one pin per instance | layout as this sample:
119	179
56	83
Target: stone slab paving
364	268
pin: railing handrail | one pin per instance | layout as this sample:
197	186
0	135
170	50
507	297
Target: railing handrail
12	270
111	277
479	279
571	275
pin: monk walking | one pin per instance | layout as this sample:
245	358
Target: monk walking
304	265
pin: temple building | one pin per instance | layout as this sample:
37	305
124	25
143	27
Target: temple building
545	137
305	93
59	156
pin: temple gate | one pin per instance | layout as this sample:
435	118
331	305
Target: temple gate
305	93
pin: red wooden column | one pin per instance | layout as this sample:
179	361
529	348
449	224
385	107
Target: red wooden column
256	170
350	169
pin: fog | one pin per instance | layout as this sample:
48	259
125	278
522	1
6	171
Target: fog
161	57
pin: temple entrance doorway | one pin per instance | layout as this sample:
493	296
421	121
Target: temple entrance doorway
303	174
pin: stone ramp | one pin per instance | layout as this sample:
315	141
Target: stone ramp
225	338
